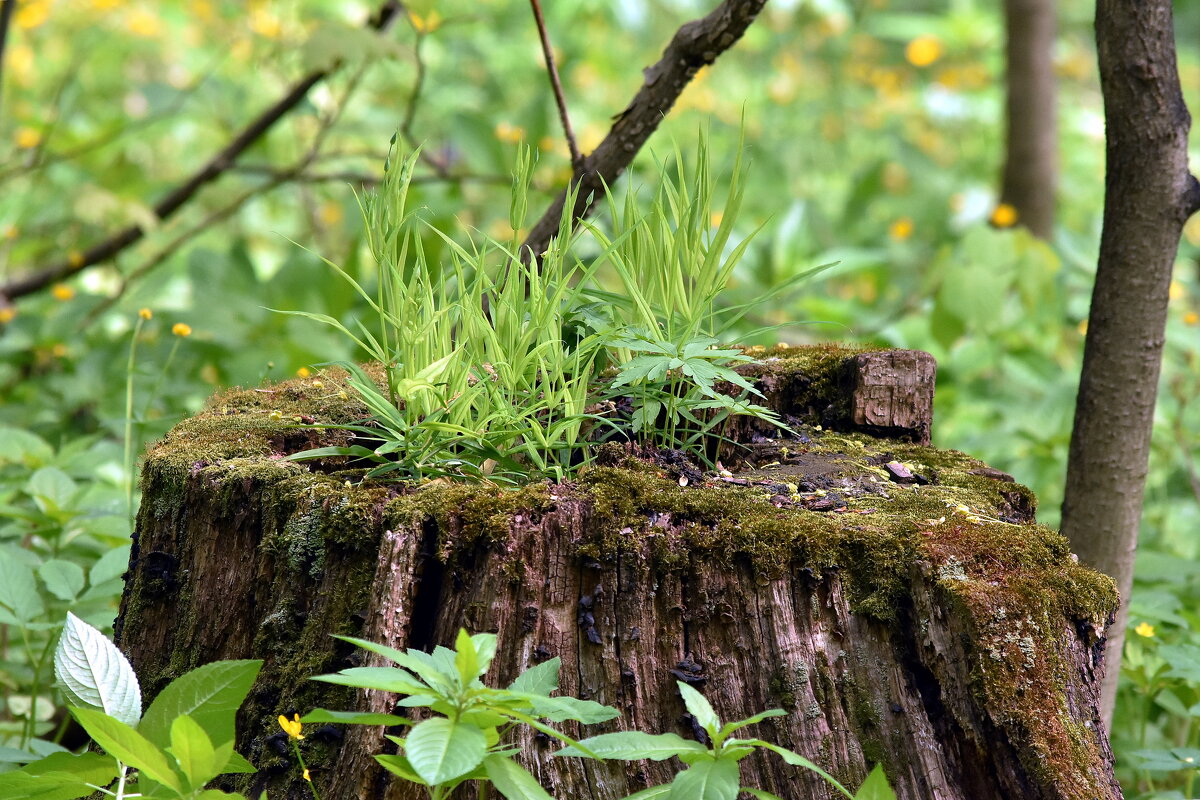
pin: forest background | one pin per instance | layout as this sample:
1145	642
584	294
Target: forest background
875	135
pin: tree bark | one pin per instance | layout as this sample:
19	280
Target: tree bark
1148	196
1030	180
830	575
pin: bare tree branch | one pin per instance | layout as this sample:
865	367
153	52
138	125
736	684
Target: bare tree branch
215	167
697	44
559	99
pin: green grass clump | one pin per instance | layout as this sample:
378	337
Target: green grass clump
498	364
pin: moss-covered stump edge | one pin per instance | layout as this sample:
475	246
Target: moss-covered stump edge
962	536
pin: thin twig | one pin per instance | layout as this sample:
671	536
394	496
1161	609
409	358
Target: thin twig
108	137
173	246
439	166
216	166
696	44
223	213
559	98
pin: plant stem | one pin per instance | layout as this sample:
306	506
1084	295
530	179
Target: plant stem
128	459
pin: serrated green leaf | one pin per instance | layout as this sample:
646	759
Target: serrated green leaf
19	446
354	718
51	489
398	765
635	745
235	763
512	780
110	566
45	787
561	709
730	727
128	746
422	664
760	794
875	787
650	793
193	752
210	695
466	660
707	780
63	579
441	750
18	589
539	679
699	707
388	679
795	759
93	673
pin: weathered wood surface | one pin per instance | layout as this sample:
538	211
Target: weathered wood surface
960	649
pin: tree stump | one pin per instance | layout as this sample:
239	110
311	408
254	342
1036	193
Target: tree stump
897	600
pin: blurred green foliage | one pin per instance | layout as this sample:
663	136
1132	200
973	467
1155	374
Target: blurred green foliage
874	131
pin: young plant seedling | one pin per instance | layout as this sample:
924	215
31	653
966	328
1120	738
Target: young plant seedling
465	739
172	751
712	772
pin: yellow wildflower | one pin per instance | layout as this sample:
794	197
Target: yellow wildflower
145	313
1144	629
291	726
62	292
1191	318
1082	327
901	229
32	13
265	24
28	138
426	24
1176	291
20	59
181	329
715	218
306	775
507	132
59	350
923	51
7	315
331	213
143	23
304	372
1005	216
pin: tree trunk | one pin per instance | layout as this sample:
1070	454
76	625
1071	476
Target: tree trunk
1030	180
895	599
1148	195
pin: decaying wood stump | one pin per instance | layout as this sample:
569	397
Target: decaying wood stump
897	600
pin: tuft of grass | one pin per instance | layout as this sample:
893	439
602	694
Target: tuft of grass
495	364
